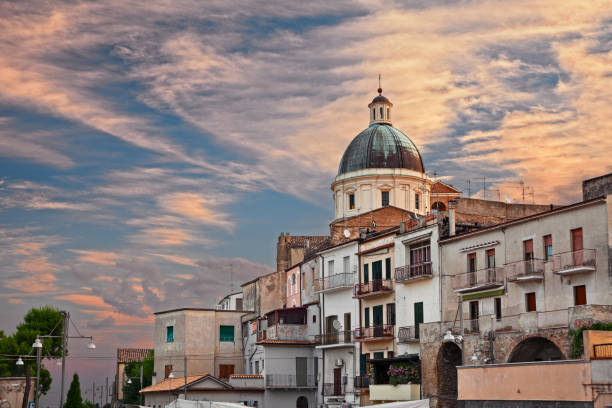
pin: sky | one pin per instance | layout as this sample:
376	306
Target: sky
152	152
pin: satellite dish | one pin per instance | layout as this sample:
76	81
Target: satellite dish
336	324
347	233
373	224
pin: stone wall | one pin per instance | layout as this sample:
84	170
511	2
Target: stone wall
384	218
597	187
485	212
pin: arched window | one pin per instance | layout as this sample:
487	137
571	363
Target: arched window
388	114
381	112
373	113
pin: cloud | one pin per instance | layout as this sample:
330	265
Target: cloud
97	257
178	259
40	283
85	300
105	323
197	208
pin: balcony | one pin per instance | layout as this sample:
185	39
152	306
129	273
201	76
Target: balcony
284	324
373	288
602	351
480	280
525	271
333	390
334	282
399	392
379	332
288	381
568	263
408	334
339	338
531	322
411	273
361	381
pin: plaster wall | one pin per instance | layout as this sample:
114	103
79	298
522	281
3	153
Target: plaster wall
161	399
12	389
592	337
524	381
309	273
292	290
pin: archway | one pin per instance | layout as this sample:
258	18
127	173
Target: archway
449	357
302	402
438	206
535	349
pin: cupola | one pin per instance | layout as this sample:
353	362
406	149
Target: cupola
380	109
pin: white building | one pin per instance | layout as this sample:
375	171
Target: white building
340	317
417	281
233	301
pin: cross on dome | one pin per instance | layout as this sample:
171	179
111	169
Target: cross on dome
380	108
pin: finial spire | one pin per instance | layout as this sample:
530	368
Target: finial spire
379	86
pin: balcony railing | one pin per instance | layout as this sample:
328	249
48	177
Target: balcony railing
413	272
574	262
602	351
373	287
340	337
374	332
290	381
408	334
525	271
530	321
471	326
478	280
340	280
362	381
333	390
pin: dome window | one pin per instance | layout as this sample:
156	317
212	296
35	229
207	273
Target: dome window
373	113
385	198
417	201
382	112
351	201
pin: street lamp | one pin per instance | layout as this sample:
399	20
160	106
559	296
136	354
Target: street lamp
38	346
19	362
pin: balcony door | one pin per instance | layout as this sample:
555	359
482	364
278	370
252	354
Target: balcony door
418	318
528	256
376	275
301	367
377	320
491	265
577	247
338	381
472	268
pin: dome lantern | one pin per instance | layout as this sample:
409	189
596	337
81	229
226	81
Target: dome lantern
380	108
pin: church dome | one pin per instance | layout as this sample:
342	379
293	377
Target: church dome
381	146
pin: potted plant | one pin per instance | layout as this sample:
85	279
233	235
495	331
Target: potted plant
403	373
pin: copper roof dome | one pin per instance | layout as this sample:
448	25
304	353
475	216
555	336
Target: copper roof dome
381	146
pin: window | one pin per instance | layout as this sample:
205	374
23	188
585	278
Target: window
580	295
314	318
385	198
390	354
417	201
346	264
379	355
388	268
381	112
226	333
388	114
530	302
313	274
351	201
528	249
169	334
293	279
238	304
390	313
420	259
225	370
366	317
547	247
373	113
257	367
474	315
472	262
366	273
498	310
330	268
167	370
490	258
377	271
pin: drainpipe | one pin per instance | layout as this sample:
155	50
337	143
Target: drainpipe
451	217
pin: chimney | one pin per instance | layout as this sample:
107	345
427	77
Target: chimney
451	217
402	227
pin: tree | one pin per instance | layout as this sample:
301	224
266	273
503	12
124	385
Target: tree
37	322
131	394
74	398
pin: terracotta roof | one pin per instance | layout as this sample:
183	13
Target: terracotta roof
299	241
246	376
172	384
440	187
132	355
287	342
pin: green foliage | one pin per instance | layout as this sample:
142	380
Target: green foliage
37	322
577	347
89	404
74	398
131	394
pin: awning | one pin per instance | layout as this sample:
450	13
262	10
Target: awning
404	404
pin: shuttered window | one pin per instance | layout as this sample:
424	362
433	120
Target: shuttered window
548	250
170	334
226	333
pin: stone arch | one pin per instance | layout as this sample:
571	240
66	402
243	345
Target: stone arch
535	349
449	357
302	402
438	206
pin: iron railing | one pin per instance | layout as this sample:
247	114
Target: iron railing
480	278
516	271
333	390
373	287
334	281
408	334
290	381
574	260
602	351
374	332
339	337
361	381
412	272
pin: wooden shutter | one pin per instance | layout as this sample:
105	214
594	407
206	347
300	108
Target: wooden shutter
577	239
167	370
528	249
580	295
530	299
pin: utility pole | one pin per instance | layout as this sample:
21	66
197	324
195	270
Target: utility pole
141	387
65	323
38	353
185	369
106	390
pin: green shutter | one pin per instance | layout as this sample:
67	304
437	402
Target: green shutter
366	317
170	334
226	333
388	269
366	273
